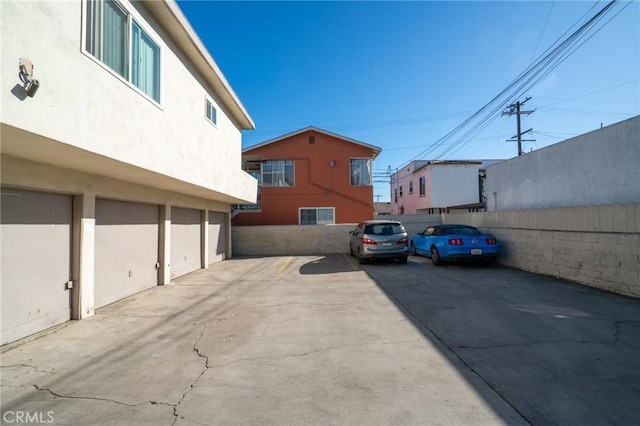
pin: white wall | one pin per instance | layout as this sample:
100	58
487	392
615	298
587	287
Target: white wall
82	104
600	167
445	185
453	185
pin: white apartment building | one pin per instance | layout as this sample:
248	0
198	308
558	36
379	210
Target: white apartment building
119	166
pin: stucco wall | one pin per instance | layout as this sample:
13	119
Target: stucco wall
322	179
453	185
83	104
445	185
600	167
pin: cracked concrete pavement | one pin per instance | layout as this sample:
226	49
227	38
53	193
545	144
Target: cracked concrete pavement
560	353
322	340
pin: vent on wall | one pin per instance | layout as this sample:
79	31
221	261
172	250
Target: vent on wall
312	139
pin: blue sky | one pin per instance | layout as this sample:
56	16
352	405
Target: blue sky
404	75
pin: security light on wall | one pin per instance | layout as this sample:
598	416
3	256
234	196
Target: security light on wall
25	72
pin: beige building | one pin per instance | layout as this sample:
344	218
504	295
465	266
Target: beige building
121	156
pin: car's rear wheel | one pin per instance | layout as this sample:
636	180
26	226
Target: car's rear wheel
403	260
412	249
435	256
351	250
361	259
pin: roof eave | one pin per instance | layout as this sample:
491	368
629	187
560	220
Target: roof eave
170	16
375	149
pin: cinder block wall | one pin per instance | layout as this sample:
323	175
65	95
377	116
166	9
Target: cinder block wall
598	246
278	240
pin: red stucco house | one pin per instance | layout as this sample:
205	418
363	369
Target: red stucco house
309	177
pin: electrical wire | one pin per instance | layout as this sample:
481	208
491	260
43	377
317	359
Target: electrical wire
551	58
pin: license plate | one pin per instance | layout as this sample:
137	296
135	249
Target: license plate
386	244
476	251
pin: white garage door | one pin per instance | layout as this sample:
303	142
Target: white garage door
185	241
126	249
217	237
36	261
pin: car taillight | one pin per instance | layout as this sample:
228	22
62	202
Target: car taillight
456	241
368	241
403	240
491	241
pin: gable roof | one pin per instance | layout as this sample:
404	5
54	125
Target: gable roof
376	150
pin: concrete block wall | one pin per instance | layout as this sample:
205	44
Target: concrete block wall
598	246
278	240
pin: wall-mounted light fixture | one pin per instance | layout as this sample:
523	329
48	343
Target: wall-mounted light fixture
25	72
332	163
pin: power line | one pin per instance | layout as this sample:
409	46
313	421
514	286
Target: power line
532	75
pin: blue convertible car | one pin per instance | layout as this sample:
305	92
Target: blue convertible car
454	243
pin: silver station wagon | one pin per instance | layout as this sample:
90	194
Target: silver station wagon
379	239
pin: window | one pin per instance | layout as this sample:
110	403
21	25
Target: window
145	62
411	187
400	190
117	40
211	112
317	216
423	186
384	229
360	170
278	173
395	194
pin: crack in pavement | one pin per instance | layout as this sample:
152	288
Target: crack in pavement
618	331
204	370
616	340
302	354
94	398
33	367
524	345
175	406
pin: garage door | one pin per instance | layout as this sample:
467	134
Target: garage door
36	261
126	249
185	241
217	237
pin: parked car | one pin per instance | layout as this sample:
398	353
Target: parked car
379	239
454	243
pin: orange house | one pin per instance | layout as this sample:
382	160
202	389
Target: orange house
309	177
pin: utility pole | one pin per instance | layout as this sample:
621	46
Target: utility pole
515	109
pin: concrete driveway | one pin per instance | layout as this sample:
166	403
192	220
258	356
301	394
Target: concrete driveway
322	340
558	353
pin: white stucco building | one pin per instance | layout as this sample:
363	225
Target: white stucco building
426	186
597	168
119	172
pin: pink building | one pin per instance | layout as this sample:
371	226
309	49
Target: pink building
431	186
